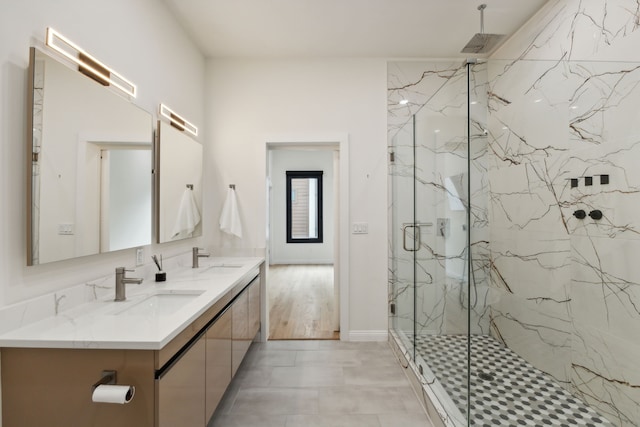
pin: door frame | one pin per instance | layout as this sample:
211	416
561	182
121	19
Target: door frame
341	245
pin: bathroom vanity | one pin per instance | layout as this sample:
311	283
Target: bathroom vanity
179	343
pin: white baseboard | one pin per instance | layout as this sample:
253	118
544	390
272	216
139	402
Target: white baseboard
368	335
300	262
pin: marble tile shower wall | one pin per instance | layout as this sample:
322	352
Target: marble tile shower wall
564	293
437	95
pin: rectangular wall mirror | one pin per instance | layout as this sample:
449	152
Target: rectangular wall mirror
179	184
90	157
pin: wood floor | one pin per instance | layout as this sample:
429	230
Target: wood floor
301	304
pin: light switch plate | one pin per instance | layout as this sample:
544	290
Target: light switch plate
360	228
65	229
139	257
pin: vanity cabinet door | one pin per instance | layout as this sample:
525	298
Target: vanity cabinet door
181	390
218	370
254	308
239	330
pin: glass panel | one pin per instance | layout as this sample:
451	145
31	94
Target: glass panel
475	299
441	261
304	207
304	218
432	228
401	272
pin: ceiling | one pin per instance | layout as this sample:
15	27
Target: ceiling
345	28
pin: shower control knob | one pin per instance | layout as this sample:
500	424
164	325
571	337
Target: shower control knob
580	214
596	214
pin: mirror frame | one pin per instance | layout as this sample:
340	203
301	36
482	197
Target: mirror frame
160	176
33	154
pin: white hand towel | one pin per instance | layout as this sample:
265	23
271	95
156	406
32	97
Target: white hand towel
188	216
230	217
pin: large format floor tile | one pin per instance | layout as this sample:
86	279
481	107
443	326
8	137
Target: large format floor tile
317	384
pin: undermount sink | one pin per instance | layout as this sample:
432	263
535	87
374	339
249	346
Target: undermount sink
222	268
160	303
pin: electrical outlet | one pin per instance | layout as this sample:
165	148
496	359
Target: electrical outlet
139	257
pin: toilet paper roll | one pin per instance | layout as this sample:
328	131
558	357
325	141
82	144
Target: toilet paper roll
113	394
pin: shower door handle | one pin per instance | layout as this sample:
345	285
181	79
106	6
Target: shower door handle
415	237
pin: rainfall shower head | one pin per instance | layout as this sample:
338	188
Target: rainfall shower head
482	42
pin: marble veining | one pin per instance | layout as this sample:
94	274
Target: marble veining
85	315
560	101
429	160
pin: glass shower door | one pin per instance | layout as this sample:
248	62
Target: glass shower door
441	279
439	232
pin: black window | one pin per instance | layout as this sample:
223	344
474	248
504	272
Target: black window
304	206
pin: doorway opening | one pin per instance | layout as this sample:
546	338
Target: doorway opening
304	292
301	302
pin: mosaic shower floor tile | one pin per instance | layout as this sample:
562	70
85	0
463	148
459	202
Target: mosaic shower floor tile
505	389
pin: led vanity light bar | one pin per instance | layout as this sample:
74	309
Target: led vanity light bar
178	121
88	64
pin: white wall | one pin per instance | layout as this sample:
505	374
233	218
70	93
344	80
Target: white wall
249	101
140	40
300	253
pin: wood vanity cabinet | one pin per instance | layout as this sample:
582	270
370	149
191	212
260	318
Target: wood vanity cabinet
218	364
239	331
254	308
179	385
245	324
205	369
52	387
180	390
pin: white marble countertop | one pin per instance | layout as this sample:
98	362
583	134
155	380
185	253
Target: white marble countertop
142	322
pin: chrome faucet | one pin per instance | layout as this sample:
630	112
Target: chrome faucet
121	281
197	254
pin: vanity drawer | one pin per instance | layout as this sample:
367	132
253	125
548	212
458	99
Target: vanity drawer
180	392
169	350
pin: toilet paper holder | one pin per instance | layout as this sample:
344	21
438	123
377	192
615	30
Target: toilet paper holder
106	390
108	378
